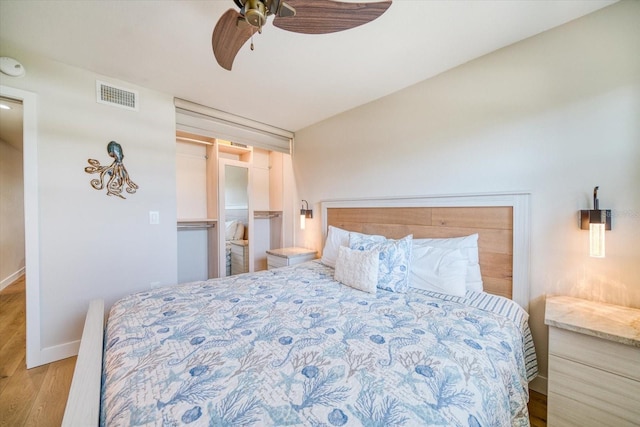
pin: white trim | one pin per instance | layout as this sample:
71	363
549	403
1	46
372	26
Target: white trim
521	224
539	384
59	352
31	219
11	278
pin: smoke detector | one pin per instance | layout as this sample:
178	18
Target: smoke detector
11	67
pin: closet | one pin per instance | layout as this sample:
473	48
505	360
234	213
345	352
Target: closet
230	199
196	210
235	192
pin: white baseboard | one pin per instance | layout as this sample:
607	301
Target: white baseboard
57	352
11	278
539	384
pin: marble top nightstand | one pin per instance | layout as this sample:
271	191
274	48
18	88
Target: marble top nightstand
288	256
594	363
611	322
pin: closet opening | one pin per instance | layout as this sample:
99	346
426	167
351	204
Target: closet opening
230	206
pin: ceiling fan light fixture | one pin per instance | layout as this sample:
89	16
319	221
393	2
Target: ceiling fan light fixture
235	28
255	13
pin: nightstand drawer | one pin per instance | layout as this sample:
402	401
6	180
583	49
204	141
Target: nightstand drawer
239	257
580	395
607	355
276	261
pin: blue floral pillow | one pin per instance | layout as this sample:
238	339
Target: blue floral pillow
395	258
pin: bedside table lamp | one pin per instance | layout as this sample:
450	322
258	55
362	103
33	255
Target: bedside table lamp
596	221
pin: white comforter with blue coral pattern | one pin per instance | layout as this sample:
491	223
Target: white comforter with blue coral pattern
293	347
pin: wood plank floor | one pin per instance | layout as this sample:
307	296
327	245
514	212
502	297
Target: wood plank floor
34	397
537	409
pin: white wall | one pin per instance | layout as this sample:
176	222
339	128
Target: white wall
191	180
191	200
555	115
93	245
11	214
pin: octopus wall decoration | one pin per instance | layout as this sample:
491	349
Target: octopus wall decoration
116	175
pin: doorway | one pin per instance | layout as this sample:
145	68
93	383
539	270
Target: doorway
35	356
12	265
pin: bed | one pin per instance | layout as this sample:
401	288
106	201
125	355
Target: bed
294	346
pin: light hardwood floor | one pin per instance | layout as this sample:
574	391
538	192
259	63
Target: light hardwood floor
34	397
537	409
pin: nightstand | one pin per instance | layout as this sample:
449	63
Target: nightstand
288	256
594	363
239	256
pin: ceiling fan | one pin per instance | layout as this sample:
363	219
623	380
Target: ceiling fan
234	28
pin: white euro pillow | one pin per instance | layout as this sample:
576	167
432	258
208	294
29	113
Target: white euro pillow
468	246
336	237
438	270
357	269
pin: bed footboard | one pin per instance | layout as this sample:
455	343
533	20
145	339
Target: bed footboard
83	404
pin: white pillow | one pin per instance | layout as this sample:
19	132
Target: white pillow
468	245
357	269
230	229
336	237
239	234
438	270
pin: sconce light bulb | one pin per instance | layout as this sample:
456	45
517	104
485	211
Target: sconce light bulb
596	240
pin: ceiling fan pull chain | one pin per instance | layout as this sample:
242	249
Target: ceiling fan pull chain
251	40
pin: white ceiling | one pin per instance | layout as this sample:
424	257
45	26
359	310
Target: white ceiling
290	80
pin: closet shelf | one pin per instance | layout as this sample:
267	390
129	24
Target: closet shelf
266	214
233	149
196	224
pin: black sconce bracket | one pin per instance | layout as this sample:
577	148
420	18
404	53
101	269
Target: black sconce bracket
308	213
595	215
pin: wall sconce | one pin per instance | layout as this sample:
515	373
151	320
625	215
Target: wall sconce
304	214
596	221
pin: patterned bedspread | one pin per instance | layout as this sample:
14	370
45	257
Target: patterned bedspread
291	346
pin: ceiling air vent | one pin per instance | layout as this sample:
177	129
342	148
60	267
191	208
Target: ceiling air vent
116	96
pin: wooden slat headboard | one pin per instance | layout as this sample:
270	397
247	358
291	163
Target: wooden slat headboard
494	226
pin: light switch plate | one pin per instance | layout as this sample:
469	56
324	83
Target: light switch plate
154	217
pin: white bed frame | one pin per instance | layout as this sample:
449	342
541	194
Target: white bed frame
83	404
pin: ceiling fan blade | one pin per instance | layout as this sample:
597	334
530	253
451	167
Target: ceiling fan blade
229	35
328	16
